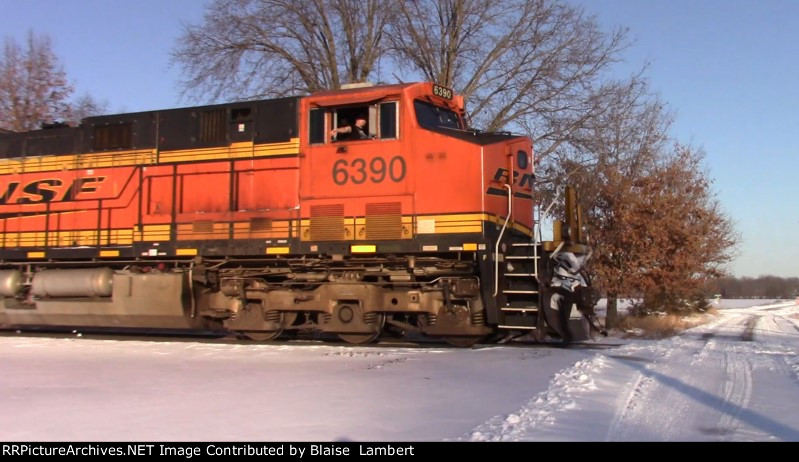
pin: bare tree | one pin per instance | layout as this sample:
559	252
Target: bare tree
267	48
537	66
85	106
33	85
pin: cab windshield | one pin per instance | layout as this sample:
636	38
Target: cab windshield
432	116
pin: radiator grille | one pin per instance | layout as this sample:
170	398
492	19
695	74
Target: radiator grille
327	222
260	224
384	220
203	227
212	126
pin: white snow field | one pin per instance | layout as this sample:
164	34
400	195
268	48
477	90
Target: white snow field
734	378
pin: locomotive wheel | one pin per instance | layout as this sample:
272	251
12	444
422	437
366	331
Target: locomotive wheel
286	319
557	305
362	338
262	336
459	318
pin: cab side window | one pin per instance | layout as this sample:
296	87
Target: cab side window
388	120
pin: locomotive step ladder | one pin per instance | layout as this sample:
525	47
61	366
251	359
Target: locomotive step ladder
519	287
516	282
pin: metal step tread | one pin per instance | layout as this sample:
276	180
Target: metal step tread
532	309
519	291
517	327
523	244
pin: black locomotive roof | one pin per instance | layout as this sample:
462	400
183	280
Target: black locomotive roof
272	120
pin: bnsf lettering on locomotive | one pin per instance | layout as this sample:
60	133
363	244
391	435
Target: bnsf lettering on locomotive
40	191
501	176
49	190
527	181
378	169
10	189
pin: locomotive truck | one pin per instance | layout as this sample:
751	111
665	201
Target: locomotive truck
253	217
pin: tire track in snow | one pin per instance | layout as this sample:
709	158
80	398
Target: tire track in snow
637	387
749	332
633	400
736	393
701	385
656	407
789	359
769	360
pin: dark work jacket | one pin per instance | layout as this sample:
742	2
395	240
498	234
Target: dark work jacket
358	133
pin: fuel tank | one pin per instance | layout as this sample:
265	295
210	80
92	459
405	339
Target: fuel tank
60	283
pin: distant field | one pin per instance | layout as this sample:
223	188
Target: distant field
724	303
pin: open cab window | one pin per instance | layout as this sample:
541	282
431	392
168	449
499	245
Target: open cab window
382	122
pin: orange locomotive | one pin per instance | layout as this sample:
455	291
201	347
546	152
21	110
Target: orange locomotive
269	216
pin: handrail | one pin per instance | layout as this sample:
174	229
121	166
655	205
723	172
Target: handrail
557	250
499	239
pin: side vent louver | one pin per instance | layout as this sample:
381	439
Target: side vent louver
327	222
260	224
203	226
384	220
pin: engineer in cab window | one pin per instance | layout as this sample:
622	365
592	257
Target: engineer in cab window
355	131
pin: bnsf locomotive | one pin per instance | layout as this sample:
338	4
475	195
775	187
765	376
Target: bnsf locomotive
256	218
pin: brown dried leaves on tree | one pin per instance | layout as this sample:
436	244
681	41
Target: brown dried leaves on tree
34	89
657	228
85	106
659	231
33	85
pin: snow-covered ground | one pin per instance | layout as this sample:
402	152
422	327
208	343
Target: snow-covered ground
734	378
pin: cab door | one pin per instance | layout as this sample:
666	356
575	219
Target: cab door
509	164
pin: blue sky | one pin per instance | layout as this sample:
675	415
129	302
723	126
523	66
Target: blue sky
727	68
